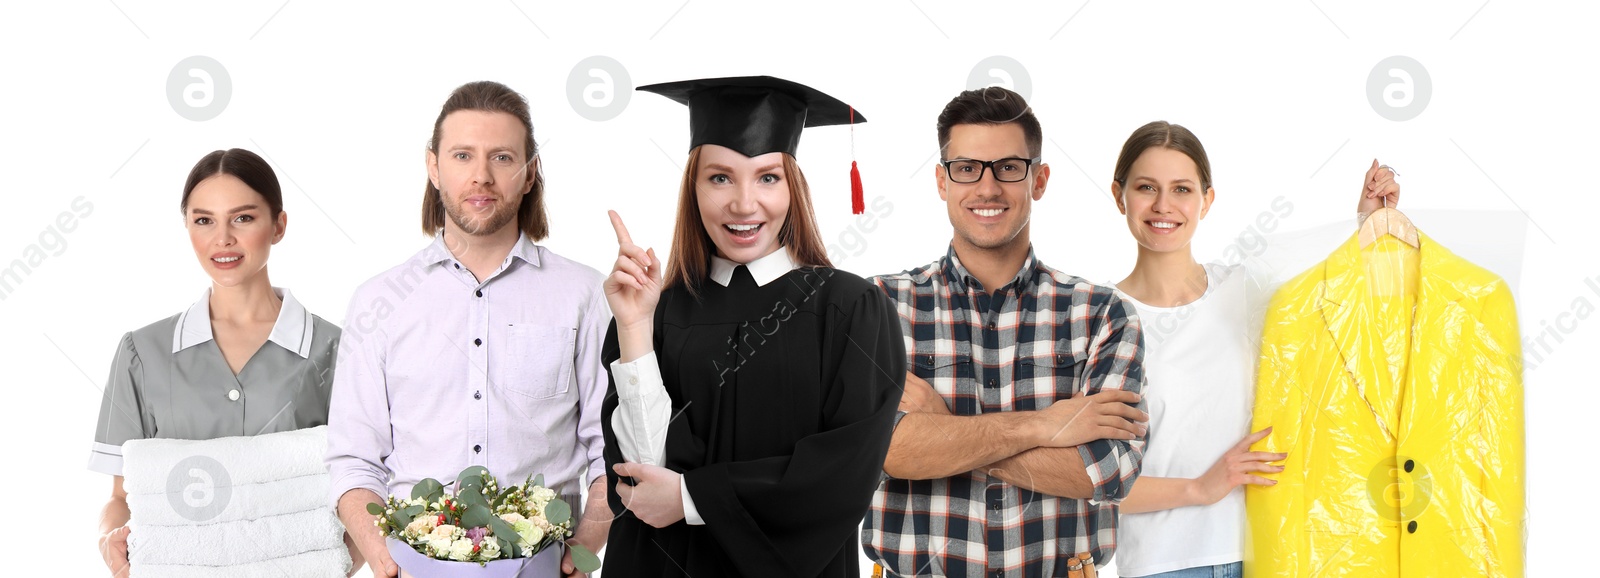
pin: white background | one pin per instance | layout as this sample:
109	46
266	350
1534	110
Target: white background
341	99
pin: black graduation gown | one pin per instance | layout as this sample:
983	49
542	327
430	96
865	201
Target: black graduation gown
788	394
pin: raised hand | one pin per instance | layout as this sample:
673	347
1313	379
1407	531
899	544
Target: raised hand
1378	188
633	289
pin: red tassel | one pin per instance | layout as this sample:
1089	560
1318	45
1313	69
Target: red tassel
858	202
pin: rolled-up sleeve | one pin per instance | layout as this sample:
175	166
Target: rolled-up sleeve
1116	361
359	435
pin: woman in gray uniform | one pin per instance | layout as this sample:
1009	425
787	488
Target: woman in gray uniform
246	359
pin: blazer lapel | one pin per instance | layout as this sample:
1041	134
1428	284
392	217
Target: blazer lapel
1347	319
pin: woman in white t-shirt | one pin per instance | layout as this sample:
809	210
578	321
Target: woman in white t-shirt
1185	515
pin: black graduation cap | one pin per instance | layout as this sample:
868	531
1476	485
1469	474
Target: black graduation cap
756	115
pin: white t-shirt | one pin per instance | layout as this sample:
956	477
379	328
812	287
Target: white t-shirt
1199	364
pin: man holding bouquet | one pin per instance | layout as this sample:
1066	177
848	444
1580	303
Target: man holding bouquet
482	349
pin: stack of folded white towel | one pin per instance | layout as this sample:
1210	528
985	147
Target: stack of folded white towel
242	507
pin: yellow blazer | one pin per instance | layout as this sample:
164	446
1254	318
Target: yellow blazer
1420	475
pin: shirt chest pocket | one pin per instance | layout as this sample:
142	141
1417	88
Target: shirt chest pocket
952	376
1048	376
537	360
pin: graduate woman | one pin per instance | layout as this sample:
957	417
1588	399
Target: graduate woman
246	359
753	386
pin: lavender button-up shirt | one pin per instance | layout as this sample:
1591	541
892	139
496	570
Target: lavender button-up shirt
438	372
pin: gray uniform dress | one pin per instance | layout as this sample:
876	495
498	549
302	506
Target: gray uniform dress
170	380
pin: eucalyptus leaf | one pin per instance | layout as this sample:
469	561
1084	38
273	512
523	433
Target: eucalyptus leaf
375	508
507	535
477	516
539	480
479	473
428	489
473	499
502	529
403	516
468	489
583	559
557	512
510	547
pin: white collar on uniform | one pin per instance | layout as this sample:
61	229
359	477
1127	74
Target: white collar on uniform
764	270
292	330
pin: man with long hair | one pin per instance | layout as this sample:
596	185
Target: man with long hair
481	350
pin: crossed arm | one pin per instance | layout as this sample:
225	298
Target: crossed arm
1038	450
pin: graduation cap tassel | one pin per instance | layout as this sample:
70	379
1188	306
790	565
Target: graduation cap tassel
858	202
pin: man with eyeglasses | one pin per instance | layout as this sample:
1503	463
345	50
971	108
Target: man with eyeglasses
1020	428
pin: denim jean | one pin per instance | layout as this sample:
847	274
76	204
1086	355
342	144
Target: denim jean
1233	570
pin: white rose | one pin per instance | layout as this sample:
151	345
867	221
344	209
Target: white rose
491	549
445	531
438	547
421	526
535	536
512	518
415	530
461	550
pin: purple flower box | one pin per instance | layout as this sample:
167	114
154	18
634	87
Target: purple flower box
545	564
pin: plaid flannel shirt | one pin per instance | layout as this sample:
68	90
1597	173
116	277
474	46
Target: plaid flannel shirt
1043	337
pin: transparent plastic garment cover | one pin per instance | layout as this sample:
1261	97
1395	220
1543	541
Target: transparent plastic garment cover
1391	375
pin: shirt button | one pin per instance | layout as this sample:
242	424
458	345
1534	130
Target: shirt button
991	382
478	342
458	265
477	395
991	326
479	449
633	381
1410	465
233	395
1412	527
480	292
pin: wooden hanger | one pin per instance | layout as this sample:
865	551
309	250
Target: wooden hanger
1388	221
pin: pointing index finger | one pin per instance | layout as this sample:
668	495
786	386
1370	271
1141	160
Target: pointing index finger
622	230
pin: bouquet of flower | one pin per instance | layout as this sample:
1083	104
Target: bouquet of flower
477	521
